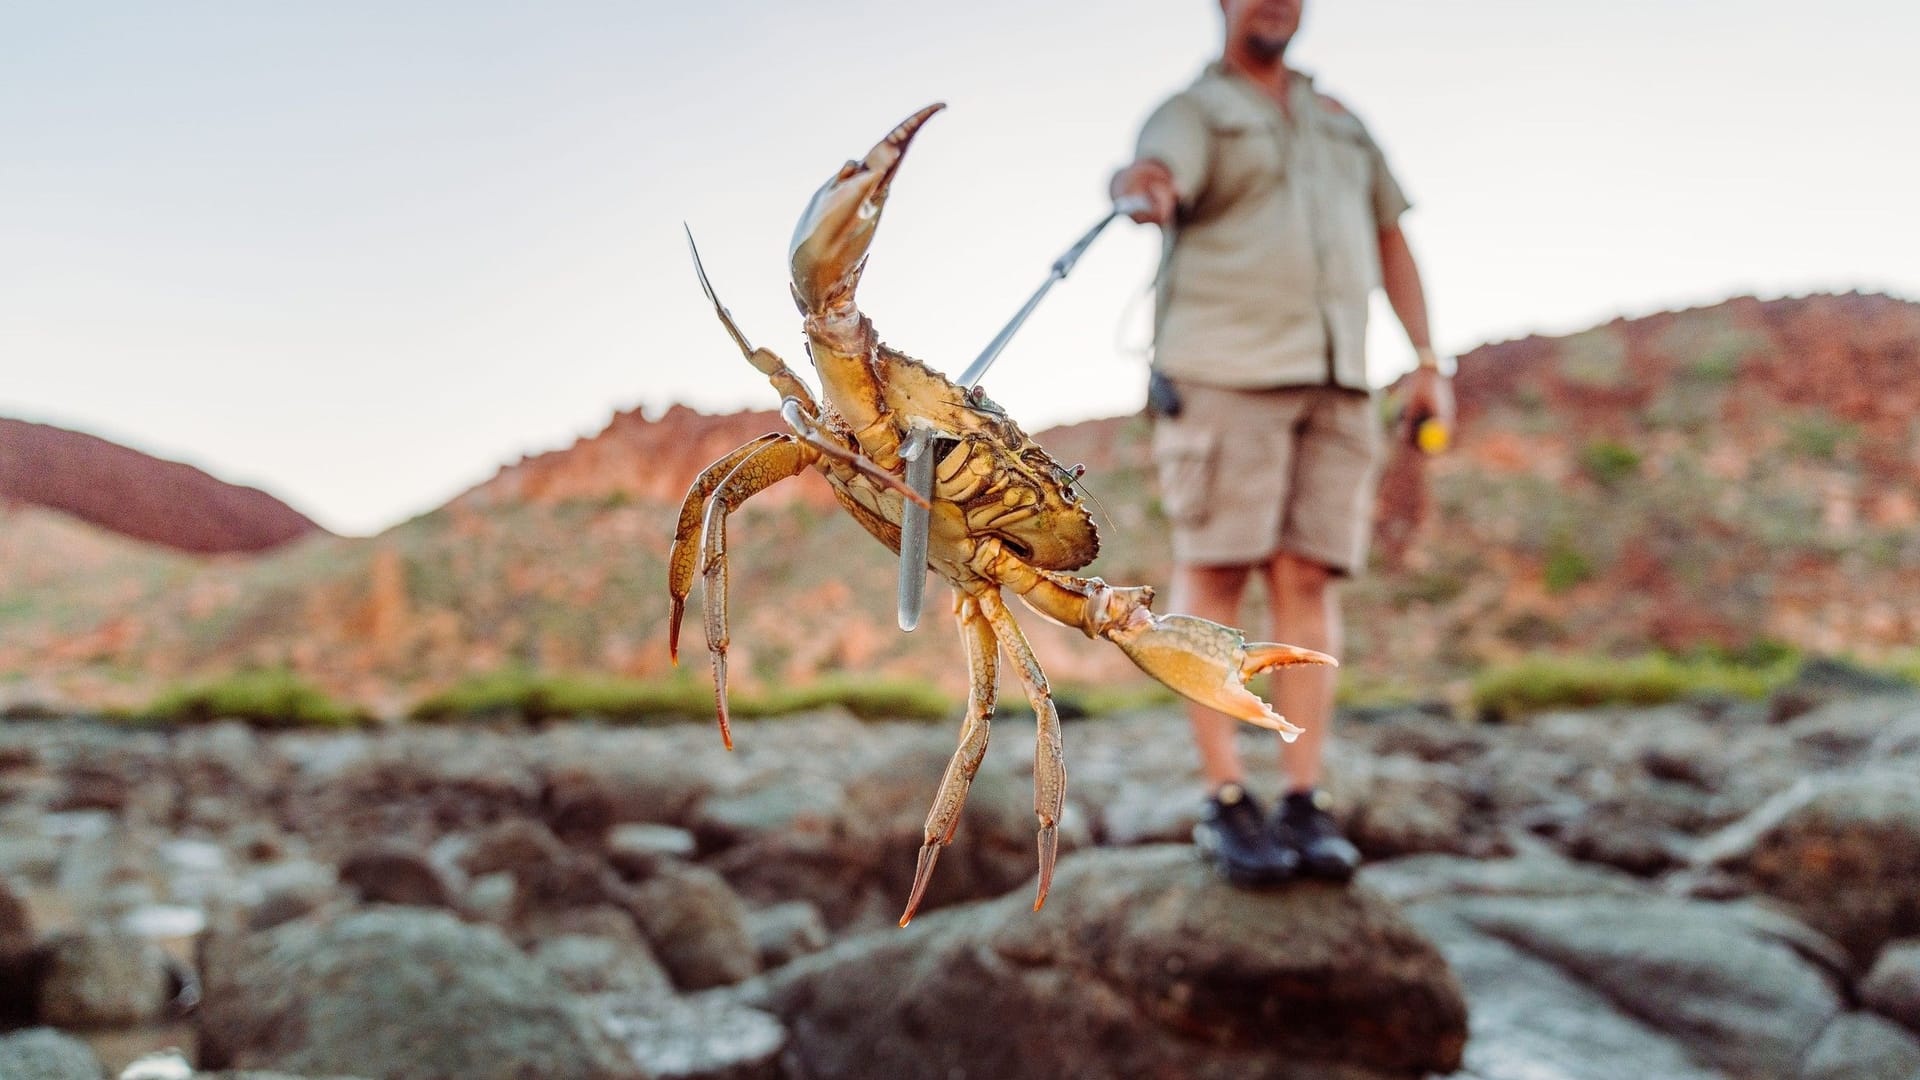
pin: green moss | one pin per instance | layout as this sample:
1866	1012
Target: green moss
538	697
1509	693
272	698
867	698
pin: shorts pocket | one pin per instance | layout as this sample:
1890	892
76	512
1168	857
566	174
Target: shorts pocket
1187	458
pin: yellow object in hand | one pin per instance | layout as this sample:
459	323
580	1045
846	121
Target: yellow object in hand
1431	436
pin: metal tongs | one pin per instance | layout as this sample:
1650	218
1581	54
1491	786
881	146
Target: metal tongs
917	450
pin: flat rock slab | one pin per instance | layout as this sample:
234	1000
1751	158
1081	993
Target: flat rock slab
1842	852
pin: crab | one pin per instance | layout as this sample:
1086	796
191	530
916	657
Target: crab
1004	515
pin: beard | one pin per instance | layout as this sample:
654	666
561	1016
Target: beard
1267	48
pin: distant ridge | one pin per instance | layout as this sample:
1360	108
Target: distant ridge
138	495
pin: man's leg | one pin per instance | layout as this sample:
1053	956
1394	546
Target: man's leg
1233	830
1306	612
1213	592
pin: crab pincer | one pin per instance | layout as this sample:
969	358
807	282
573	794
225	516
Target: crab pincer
1209	663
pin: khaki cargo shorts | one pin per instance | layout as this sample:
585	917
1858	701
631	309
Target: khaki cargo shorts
1245	474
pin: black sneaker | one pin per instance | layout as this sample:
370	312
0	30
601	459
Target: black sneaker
1304	827
1233	835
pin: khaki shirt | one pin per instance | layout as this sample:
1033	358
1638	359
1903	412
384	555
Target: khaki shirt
1278	243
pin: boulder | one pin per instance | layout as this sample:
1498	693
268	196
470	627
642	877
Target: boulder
1892	988
396	872
849	845
1862	1046
548	875
284	891
1622	835
1141	964
1842	851
1148	813
46	1054
398	993
786	932
18	965
601	920
702	1037
1400	806
697	926
636	850
601	965
577	805
417	785
102	977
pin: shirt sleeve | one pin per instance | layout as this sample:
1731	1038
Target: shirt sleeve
1389	202
1176	136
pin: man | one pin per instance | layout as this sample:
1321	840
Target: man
1281	218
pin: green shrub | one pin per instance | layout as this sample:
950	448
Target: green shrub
273	699
1818	437
1721	365
1508	693
1610	463
1566	567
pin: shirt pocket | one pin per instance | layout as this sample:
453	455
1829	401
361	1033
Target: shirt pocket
1187	458
1349	153
1246	159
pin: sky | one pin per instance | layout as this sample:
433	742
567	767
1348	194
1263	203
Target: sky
362	254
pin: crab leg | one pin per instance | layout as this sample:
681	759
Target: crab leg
804	428
983	655
755	473
1200	660
1049	762
763	360
685	556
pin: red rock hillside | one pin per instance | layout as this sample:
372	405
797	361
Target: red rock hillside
134	494
1746	474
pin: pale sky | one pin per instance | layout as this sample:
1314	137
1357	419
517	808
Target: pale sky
361	254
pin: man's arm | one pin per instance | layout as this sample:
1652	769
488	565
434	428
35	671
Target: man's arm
1429	394
1170	161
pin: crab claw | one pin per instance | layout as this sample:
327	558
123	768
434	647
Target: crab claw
830	242
1210	663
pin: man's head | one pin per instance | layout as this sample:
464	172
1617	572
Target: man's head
1261	28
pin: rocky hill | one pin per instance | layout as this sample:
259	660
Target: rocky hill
125	491
1734	477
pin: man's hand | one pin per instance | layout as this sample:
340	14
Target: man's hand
1430	397
1152	181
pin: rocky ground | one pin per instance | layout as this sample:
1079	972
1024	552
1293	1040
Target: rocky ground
1714	890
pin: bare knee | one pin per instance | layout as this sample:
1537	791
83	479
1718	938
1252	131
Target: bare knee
1210	591
1300	582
